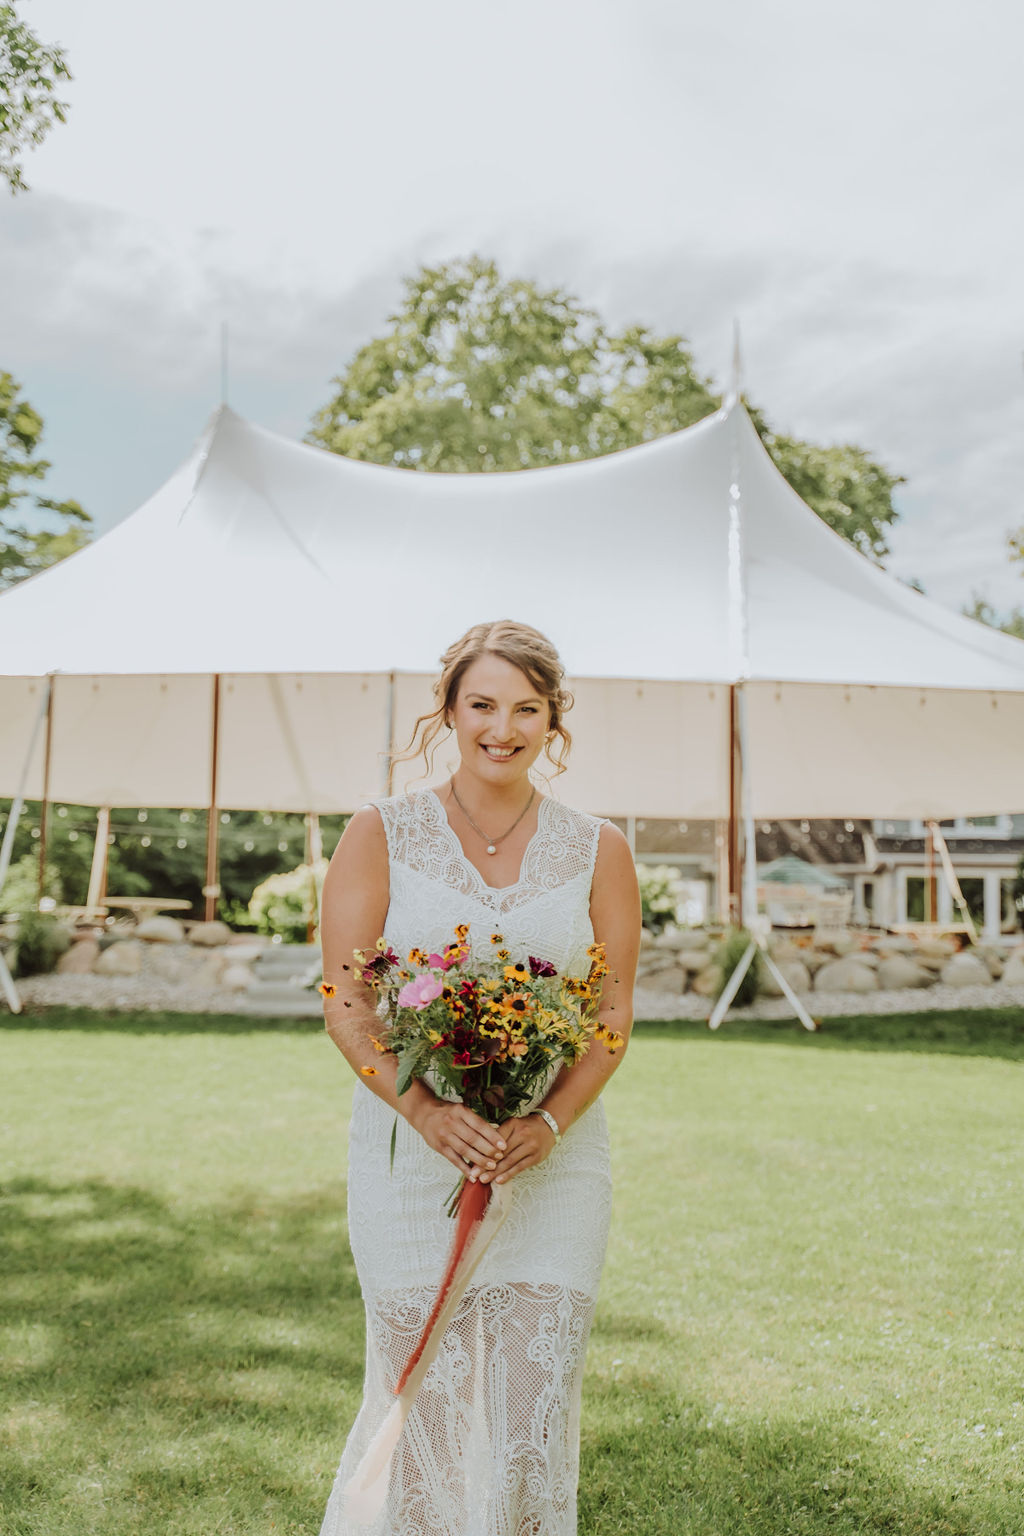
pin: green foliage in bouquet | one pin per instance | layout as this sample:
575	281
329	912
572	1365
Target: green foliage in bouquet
728	956
284	904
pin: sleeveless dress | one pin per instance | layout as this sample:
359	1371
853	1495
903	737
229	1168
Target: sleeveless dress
491	1446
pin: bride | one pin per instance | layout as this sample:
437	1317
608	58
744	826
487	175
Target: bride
491	1446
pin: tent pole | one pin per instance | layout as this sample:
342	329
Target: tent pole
731	905
389	751
314	853
940	844
7	986
211	890
44	808
98	873
930	892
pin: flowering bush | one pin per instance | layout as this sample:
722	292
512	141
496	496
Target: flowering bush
662	893
284	904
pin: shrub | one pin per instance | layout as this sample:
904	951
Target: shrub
20	891
40	942
661	892
728	956
283	904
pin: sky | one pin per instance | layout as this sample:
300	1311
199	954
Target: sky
846	182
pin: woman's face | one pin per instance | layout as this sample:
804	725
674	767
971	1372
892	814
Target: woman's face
500	720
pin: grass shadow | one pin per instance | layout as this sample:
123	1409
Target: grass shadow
155	1353
666	1465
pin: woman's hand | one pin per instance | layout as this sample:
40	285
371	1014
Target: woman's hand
530	1139
466	1140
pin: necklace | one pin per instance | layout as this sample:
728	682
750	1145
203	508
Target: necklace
492	842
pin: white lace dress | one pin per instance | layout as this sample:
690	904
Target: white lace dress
491	1447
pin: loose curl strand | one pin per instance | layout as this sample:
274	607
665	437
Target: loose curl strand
522	647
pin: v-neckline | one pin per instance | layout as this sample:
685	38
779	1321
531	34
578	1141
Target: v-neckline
499	890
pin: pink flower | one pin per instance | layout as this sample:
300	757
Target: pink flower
453	955
420	992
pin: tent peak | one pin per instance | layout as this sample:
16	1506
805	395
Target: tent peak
734	391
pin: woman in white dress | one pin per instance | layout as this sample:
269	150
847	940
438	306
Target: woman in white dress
491	1446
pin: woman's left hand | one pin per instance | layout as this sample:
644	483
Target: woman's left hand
529	1140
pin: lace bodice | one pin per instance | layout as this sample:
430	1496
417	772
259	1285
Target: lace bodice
434	886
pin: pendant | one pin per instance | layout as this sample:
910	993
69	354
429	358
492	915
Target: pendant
491	848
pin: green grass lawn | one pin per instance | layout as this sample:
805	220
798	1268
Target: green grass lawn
811	1317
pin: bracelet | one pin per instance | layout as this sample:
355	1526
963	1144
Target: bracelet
551	1123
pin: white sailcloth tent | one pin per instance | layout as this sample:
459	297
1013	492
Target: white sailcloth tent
264	630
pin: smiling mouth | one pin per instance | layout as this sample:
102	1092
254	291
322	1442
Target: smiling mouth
501	754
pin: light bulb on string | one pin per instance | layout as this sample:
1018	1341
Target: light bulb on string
182	842
143	816
145	841
225	818
72	836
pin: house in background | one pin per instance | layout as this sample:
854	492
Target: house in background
885	863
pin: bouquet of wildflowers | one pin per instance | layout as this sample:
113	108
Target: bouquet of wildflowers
490	1036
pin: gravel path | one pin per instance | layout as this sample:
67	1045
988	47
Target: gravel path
113	993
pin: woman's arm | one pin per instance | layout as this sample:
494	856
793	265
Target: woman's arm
616	917
353	912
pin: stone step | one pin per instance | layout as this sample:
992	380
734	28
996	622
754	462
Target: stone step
276	997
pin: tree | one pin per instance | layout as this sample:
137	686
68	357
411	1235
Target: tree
24	551
30	75
480	372
1011	623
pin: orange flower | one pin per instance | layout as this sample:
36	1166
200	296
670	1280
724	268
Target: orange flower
517	972
378	1045
327	988
496	938
368	1071
461	930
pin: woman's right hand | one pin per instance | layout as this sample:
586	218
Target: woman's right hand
464	1138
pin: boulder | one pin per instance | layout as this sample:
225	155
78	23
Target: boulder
80	958
242	950
671	979
796	973
236	978
708	983
693	960
845	975
175	965
122	959
1013	971
160	930
931	947
209	935
896	944
210	972
966	970
691	938
897	972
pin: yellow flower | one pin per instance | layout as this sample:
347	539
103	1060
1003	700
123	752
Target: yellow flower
327	988
613	1040
418	957
503	954
368	1071
516	1005
595	952
378	1045
496	938
461	930
517	972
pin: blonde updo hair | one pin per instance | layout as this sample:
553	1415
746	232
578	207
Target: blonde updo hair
524	648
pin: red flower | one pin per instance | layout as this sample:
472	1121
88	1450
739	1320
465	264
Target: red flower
541	967
462	1059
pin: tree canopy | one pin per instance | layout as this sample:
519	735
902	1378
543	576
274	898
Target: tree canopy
479	372
24	551
30	77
